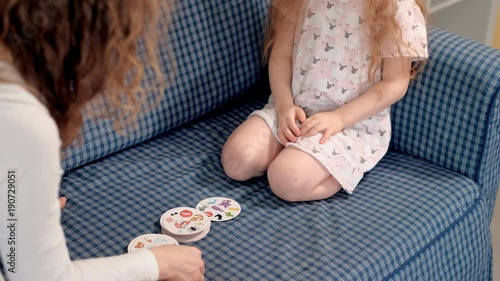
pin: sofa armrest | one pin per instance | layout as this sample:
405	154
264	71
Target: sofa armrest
451	115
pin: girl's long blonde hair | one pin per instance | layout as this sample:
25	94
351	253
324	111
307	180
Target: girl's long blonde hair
69	52
288	15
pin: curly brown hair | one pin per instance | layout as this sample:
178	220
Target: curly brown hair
70	51
287	15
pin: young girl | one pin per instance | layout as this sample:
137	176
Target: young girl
55	57
335	67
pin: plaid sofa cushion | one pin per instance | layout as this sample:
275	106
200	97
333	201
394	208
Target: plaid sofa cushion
216	48
462	253
402	210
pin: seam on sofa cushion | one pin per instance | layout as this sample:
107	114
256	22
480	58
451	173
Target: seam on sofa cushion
433	241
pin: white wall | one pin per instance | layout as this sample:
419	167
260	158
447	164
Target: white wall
474	19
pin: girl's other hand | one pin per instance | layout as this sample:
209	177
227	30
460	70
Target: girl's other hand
288	131
328	122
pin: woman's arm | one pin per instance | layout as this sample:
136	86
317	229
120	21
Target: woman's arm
29	150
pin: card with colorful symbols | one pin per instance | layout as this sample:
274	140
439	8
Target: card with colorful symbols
184	221
148	241
187	238
219	208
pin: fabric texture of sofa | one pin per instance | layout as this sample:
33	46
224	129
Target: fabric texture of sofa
423	213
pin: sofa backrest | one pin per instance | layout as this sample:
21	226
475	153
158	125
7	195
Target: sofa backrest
450	115
217	47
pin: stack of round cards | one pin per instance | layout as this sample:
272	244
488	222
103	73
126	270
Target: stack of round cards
148	241
185	224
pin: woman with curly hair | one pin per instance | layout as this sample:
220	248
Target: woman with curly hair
56	56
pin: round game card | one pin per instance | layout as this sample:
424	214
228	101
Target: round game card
184	221
148	241
219	208
188	238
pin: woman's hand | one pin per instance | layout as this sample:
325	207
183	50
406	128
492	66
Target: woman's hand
179	263
288	131
328	122
62	201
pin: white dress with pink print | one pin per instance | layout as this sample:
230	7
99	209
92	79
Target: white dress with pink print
330	68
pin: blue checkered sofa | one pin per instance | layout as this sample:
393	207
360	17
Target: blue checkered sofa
423	213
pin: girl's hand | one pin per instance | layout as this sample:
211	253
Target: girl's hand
288	131
328	122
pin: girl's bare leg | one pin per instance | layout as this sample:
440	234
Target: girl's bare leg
249	150
297	176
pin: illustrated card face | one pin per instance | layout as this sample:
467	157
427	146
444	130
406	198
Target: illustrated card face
219	208
184	221
148	241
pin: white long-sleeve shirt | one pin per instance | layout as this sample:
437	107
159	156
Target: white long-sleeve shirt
30	214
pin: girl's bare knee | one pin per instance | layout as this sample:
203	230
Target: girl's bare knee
238	165
285	183
232	164
235	170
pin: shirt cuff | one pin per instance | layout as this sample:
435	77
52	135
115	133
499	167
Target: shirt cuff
150	263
